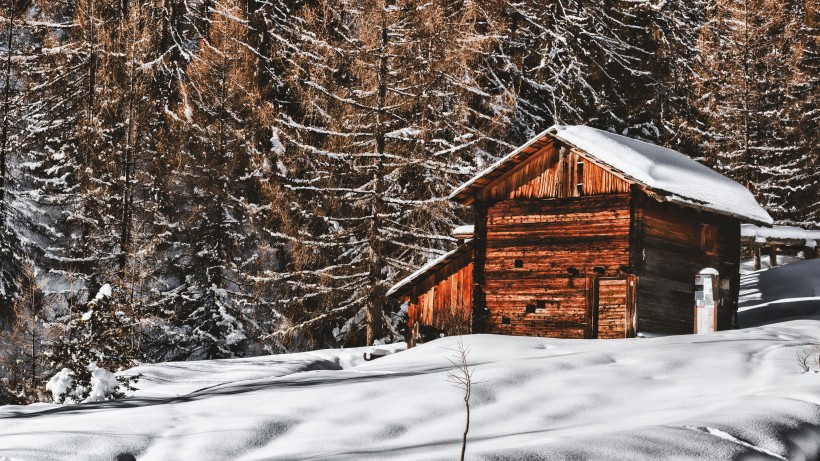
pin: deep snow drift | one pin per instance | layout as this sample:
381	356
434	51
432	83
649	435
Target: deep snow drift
726	395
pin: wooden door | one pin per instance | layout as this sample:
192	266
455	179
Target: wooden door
612	307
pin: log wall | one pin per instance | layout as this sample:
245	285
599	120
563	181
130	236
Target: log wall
672	246
545	238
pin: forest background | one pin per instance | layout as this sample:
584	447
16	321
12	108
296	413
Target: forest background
251	176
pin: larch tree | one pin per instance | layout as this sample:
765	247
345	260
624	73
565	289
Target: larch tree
390	117
747	101
216	192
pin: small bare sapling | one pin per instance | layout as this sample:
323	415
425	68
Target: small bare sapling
461	376
806	358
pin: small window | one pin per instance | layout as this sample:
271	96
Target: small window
579	178
519	263
708	239
505	320
530	308
540	305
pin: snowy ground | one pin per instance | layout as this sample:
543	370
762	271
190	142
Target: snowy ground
728	395
790	291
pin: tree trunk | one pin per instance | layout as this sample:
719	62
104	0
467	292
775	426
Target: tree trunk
6	109
373	313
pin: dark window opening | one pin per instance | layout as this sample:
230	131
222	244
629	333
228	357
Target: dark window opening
540	305
519	263
505	320
530	308
579	178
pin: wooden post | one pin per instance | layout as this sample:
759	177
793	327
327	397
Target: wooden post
756	250
809	251
773	256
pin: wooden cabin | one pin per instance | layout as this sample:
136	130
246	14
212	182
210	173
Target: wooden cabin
581	233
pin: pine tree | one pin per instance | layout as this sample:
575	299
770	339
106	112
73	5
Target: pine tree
803	106
97	339
749	103
663	35
13	258
568	62
23	364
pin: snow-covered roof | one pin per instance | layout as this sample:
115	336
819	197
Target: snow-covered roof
762	235
466	230
668	173
428	269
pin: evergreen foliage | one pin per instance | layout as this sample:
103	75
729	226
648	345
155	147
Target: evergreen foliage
100	337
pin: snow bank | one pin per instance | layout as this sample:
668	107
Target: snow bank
716	396
173	379
726	395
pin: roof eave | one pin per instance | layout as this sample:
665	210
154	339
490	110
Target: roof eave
404	286
662	196
465	193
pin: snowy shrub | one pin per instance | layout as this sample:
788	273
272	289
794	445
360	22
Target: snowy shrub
104	384
95	342
62	386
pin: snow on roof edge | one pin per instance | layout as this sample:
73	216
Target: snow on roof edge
465	229
497	164
644	164
430	264
652	166
760	234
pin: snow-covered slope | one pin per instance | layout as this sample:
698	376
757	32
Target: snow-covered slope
784	292
728	395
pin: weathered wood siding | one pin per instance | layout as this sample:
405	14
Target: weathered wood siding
669	251
555	171
446	305
548	237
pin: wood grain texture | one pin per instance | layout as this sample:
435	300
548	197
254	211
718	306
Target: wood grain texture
550	236
670	251
553	172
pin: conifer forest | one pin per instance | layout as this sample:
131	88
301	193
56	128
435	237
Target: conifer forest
198	179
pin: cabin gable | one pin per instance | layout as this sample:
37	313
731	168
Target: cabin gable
554	171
